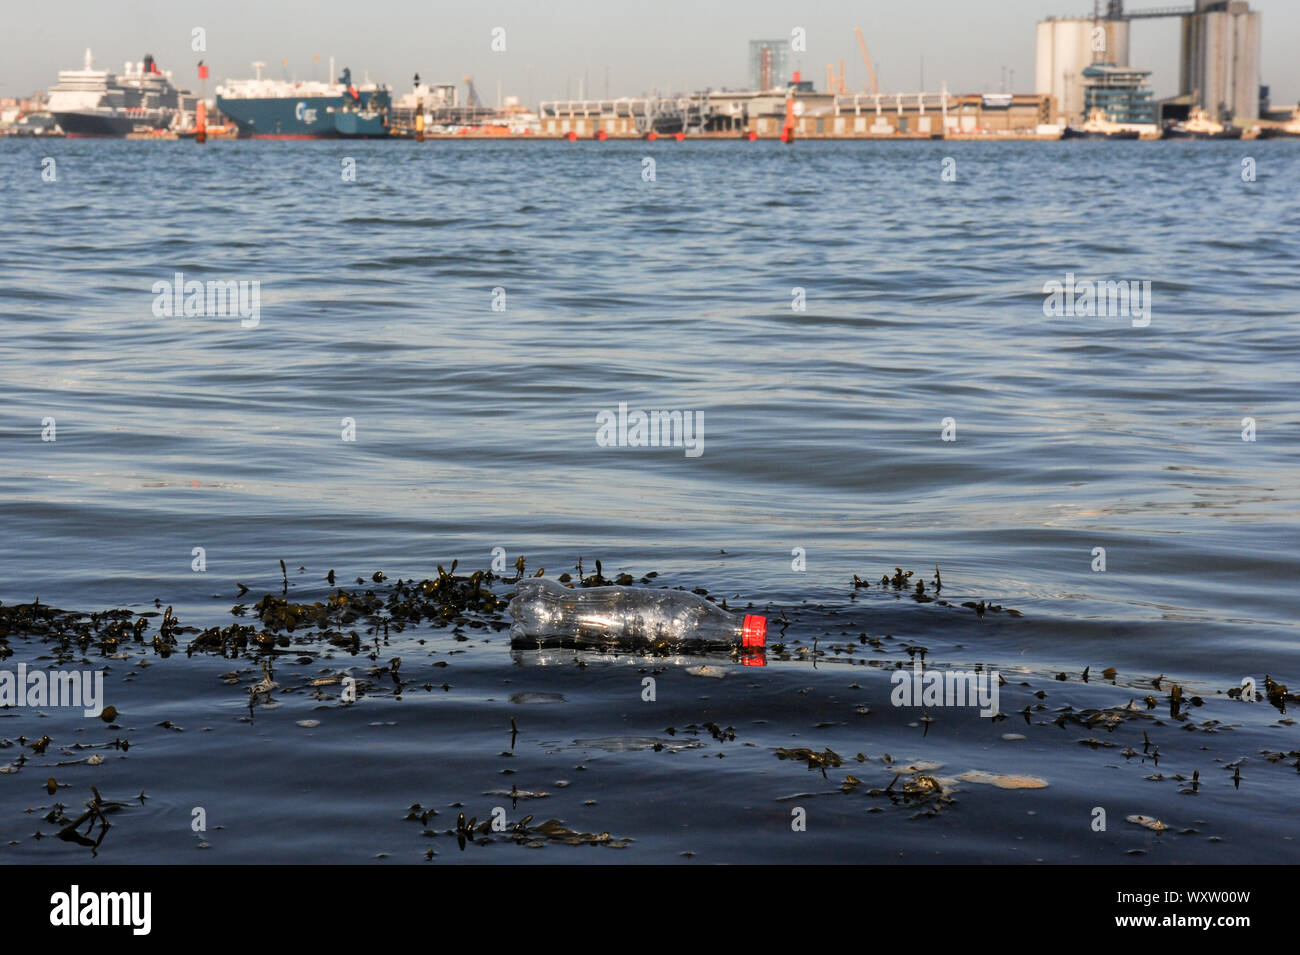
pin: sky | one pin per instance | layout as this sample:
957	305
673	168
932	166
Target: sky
552	47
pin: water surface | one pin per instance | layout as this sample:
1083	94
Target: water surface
476	429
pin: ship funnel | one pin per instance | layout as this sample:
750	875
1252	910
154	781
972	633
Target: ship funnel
90	60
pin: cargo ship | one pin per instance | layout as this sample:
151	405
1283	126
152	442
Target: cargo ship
91	102
275	109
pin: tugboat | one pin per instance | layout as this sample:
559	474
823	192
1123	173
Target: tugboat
1199	126
1098	126
271	109
1288	130
91	102
35	124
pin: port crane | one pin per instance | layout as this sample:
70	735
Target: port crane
866	58
836	84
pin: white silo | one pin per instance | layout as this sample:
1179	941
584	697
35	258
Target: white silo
1220	62
1066	47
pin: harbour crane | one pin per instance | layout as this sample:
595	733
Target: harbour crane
832	81
866	58
836	84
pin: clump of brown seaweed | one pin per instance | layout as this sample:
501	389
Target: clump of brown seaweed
523	832
901	582
826	758
346	618
97	811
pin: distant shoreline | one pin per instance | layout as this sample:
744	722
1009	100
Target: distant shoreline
1247	136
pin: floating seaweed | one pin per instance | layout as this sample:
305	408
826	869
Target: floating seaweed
97	810
902	581
359	619
826	758
921	791
1147	822
523	832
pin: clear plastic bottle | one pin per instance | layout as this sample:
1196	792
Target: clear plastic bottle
636	617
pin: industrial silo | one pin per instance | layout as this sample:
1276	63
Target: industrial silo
1220	59
1066	47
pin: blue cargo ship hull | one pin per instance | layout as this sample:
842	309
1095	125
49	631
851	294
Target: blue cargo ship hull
309	117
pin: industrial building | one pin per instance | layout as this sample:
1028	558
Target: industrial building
811	115
1219	62
781	104
769	64
1121	93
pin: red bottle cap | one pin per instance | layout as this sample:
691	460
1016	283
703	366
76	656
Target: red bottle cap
754	631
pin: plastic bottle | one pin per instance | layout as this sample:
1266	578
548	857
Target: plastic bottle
637	617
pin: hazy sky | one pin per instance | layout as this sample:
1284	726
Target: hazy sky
552	45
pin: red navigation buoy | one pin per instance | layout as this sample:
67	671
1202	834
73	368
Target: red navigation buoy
679	136
652	135
601	135
571	137
751	136
787	131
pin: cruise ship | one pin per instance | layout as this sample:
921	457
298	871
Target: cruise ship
91	102
280	109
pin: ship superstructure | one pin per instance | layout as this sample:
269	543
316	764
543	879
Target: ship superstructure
91	102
